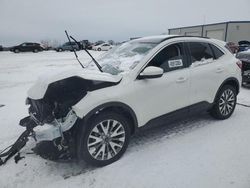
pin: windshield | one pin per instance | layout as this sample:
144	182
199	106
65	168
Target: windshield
124	57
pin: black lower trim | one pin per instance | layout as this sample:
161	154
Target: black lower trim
178	115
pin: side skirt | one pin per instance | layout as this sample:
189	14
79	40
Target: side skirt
178	115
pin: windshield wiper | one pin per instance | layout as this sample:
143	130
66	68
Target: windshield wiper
96	63
73	49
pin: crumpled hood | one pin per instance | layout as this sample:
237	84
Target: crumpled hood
38	90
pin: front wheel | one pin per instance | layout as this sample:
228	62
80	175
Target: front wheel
103	140
225	102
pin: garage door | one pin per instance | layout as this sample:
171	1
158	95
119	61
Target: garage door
194	33
216	34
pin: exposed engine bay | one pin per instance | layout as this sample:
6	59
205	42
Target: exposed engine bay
60	97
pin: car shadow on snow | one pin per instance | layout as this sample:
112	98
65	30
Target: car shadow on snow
169	130
152	135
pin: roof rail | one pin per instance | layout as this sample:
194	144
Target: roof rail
181	36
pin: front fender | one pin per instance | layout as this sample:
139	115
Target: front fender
91	101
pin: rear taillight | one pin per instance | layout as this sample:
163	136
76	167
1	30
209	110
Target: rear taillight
239	63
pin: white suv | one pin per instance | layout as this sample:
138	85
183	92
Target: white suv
146	81
102	47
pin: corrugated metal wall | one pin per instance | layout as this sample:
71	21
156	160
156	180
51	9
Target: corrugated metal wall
228	31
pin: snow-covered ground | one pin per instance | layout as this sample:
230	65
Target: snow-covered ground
199	153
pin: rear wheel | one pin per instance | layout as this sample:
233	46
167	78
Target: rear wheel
225	102
35	50
99	49
104	139
16	50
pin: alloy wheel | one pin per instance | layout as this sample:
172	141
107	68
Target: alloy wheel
106	139
227	102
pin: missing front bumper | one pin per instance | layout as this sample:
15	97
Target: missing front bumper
49	132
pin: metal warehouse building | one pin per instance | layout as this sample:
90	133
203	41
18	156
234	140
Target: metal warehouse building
233	31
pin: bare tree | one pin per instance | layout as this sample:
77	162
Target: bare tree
46	43
111	42
55	43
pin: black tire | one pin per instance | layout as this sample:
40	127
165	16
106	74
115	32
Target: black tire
225	102
84	141
60	50
16	50
99	49
35	50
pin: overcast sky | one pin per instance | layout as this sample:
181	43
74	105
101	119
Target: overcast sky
34	20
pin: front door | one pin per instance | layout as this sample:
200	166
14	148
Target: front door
158	96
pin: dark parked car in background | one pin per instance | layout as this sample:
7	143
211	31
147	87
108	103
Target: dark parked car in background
245	58
85	44
1	48
68	47
27	47
244	45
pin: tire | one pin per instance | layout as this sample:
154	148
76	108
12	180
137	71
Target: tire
225	103
60	50
104	149
16	50
99	49
35	50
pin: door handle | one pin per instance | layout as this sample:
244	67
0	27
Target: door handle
219	70
181	79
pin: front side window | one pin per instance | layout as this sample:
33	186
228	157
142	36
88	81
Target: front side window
170	58
200	52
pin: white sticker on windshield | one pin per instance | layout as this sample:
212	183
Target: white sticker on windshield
175	63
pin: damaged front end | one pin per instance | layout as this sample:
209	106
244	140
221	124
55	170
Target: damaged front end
54	112
51	118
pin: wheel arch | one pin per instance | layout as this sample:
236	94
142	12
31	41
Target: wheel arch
229	81
117	107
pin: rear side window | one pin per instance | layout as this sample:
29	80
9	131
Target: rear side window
200	51
217	52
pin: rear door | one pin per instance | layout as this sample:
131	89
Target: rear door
206	71
30	47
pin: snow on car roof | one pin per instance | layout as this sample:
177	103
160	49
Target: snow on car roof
154	39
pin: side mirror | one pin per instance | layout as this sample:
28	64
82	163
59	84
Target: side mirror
151	72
